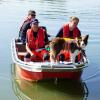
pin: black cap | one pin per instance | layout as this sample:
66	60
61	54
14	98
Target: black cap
34	21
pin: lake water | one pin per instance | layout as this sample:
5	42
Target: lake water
52	14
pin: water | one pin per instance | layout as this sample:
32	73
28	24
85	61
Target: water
52	14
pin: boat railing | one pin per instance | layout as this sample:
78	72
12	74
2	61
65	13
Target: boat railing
45	65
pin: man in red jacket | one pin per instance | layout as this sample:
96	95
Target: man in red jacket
35	43
70	29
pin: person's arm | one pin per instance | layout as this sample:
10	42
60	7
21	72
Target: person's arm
79	35
27	47
25	27
23	31
60	33
46	37
28	50
46	34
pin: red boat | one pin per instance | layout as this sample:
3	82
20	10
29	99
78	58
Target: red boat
34	71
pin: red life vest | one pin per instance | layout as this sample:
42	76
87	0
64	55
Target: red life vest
76	32
79	56
66	54
38	42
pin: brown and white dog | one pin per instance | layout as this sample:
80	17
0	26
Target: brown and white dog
76	46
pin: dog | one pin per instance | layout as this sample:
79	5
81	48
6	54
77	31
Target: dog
74	46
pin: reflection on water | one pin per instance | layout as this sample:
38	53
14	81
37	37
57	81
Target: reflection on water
48	89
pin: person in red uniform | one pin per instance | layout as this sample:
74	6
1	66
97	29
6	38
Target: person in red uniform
36	41
69	30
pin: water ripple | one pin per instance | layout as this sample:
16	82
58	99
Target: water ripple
4	77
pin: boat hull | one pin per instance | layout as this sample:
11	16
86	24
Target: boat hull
35	76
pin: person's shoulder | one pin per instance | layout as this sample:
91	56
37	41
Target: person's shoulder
42	29
78	29
29	30
26	24
66	24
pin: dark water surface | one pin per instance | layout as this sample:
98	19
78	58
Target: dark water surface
53	14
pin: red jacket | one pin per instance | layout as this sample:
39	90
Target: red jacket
76	32
38	42
68	56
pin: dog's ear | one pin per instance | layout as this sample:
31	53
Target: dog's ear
86	39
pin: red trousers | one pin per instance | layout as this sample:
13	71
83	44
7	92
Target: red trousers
39	55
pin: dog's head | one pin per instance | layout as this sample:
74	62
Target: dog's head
82	43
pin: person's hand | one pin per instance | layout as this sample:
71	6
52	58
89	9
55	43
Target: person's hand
47	46
26	18
33	57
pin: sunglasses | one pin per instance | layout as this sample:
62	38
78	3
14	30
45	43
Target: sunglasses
36	23
33	15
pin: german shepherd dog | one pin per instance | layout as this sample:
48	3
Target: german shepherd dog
76	46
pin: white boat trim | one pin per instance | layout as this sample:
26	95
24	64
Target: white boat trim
45	66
